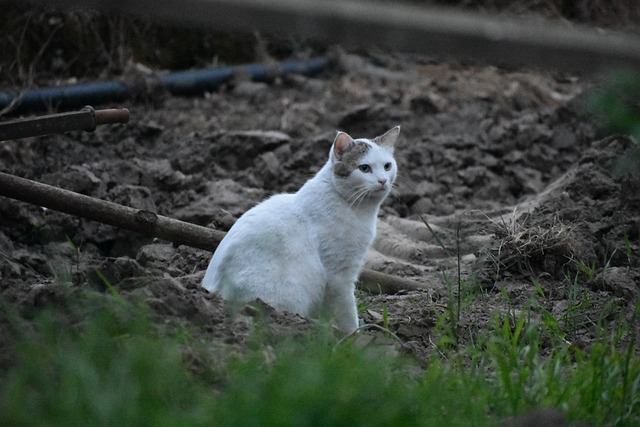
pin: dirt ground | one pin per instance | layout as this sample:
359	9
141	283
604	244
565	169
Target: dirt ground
504	166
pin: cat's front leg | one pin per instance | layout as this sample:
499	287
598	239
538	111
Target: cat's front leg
340	303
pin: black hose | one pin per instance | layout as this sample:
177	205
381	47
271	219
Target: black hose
185	83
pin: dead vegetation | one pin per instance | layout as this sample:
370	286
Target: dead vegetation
43	44
519	248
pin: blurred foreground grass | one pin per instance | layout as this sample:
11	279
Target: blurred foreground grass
104	363
617	107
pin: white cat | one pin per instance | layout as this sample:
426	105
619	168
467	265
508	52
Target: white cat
303	252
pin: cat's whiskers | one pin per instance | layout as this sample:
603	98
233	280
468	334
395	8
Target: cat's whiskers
359	195
356	198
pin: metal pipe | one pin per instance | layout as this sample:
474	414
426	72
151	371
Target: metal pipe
85	119
194	82
185	83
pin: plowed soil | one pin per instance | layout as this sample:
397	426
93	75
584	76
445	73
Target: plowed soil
513	179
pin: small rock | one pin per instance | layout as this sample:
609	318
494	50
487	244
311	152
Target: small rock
530	180
423	104
6	245
268	170
156	253
267	139
622	281
369	119
225	146
423	205
426	188
150	128
118	272
474	176
564	137
34	260
540	418
432	206
10	269
376	317
133	196
489	160
410	330
43	294
222	219
250	89
77	178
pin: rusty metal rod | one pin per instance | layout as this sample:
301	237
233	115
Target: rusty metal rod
86	119
152	224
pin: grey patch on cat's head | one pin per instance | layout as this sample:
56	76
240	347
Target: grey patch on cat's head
350	158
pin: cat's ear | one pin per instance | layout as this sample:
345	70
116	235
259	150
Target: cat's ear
341	144
389	138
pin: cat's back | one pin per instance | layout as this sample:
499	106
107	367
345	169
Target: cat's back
258	237
272	216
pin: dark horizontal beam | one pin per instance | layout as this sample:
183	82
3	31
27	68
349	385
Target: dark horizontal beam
399	27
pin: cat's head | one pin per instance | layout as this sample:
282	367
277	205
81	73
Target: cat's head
364	169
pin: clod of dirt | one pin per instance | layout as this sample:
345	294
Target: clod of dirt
134	196
226	146
541	418
622	281
369	119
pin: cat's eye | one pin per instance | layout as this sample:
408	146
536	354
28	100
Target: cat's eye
387	166
364	168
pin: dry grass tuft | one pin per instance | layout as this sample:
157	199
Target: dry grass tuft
535	249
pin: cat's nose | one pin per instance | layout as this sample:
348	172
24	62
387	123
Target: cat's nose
382	181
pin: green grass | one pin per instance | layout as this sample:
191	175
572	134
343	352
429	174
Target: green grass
103	363
616	105
103	366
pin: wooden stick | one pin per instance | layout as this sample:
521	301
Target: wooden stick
142	221
149	223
